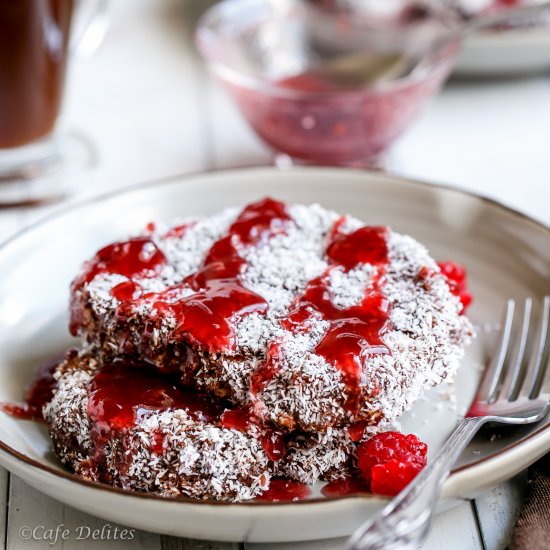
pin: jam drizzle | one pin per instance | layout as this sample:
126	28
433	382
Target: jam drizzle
456	277
244	420
178	231
205	316
356	431
126	291
138	256
355	331
124	390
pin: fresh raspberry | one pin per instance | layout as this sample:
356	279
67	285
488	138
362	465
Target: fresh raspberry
453	271
392	477
390	460
457	280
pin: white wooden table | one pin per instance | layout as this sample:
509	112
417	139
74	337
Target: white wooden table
152	111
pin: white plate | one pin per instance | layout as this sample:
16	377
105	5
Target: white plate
506	255
505	53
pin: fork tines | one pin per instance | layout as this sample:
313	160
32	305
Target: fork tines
519	366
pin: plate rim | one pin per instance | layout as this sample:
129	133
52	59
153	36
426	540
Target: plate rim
536	32
457	475
490	45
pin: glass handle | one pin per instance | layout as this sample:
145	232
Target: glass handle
90	22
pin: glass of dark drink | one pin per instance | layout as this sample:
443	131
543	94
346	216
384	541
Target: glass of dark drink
38	161
323	83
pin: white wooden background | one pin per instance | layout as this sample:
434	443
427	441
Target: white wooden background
152	110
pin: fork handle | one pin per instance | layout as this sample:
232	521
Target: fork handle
404	523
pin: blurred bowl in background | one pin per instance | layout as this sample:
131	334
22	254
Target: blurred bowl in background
321	87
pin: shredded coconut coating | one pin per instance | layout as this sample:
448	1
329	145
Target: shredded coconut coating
67	415
426	337
311	457
426	340
196	459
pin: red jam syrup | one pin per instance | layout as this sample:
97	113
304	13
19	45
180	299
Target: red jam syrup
178	231
365	245
356	431
346	486
355	331
37	393
126	291
122	391
139	256
316	119
283	490
204	317
457	279
244	420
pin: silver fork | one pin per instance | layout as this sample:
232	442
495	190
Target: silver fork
514	389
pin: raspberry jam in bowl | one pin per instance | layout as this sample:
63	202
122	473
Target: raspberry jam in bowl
324	87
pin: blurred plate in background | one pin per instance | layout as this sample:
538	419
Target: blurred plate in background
506	53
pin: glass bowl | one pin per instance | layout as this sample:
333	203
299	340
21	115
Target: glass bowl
272	57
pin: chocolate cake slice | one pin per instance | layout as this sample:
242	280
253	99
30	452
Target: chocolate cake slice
313	320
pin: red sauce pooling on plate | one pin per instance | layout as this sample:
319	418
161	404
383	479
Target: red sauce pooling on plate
281	490
37	393
244	419
346	486
354	331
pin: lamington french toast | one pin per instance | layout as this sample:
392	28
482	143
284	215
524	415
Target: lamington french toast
313	320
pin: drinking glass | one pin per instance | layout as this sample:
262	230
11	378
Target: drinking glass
39	161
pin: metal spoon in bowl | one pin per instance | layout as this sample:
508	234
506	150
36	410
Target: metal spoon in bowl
373	68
